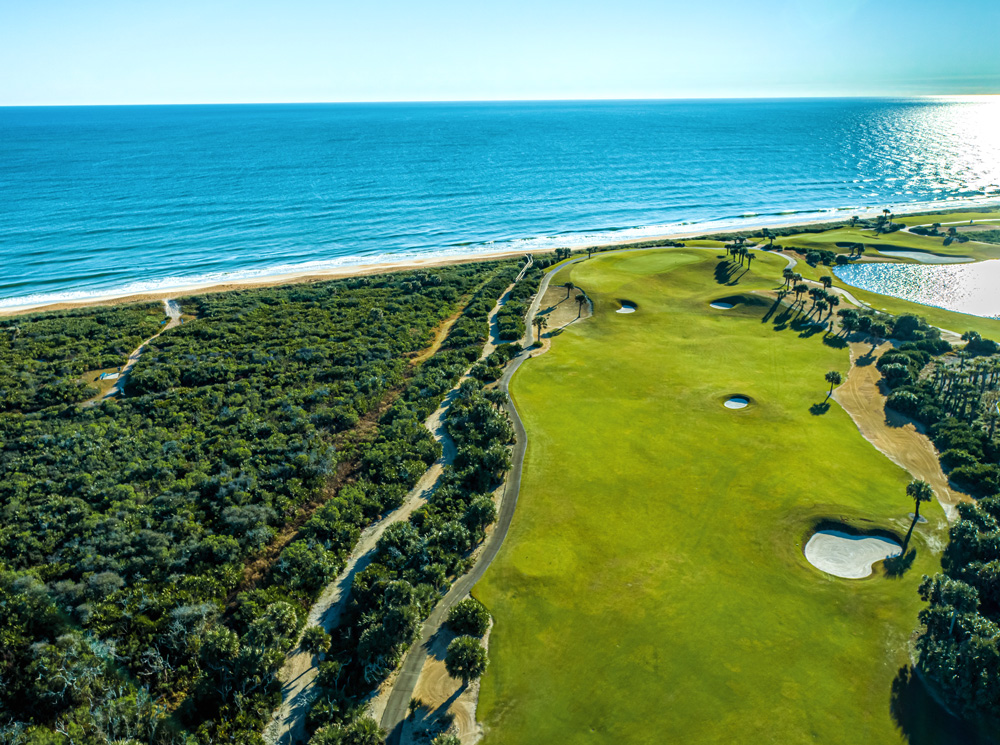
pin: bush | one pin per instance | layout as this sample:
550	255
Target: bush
469	618
465	658
979	480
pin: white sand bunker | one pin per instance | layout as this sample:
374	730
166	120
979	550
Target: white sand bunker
849	556
718	304
627	307
737	402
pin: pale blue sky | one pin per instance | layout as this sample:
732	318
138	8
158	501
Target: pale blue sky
186	51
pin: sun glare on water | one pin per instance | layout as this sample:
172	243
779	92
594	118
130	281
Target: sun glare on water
965	288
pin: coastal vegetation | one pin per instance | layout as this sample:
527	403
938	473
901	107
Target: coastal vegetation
43	356
158	551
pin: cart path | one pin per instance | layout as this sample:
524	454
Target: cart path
397	706
287	725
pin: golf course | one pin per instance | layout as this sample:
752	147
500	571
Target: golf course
653	586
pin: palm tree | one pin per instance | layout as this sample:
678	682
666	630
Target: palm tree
569	288
750	256
581	300
820	305
799	289
590	251
854	220
834	379
465	658
787	273
919	491
827	281
541	323
848	323
833	301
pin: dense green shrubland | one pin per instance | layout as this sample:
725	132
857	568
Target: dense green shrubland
417	561
125	527
43	355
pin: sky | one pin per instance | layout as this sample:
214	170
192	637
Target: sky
223	51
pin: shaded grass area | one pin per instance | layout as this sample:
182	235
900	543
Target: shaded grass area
653	587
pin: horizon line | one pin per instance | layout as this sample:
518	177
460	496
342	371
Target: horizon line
512	100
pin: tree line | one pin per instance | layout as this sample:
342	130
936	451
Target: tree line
954	393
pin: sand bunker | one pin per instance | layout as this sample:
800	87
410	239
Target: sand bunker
848	556
627	307
736	402
721	305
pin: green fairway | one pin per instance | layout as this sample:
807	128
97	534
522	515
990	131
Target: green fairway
652	588
899	241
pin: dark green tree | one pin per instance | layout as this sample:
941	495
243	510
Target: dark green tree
469	618
465	659
834	379
919	491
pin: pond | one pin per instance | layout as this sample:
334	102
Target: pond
965	288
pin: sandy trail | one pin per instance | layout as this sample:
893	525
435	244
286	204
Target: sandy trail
173	311
894	435
287	725
443	697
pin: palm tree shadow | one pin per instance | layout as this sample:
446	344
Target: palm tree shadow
897	566
865	359
820	408
724	271
772	310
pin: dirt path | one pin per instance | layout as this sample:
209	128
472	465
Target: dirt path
287	725
444	699
895	436
173	311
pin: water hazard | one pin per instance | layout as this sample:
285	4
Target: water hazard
965	288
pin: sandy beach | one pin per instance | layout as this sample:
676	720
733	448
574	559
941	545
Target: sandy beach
377	268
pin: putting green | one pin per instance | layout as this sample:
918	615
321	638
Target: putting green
653	587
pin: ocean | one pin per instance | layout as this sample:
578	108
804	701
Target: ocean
105	200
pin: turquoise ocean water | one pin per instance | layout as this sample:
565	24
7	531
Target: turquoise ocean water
100	200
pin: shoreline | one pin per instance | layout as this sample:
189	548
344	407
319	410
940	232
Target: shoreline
356	270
